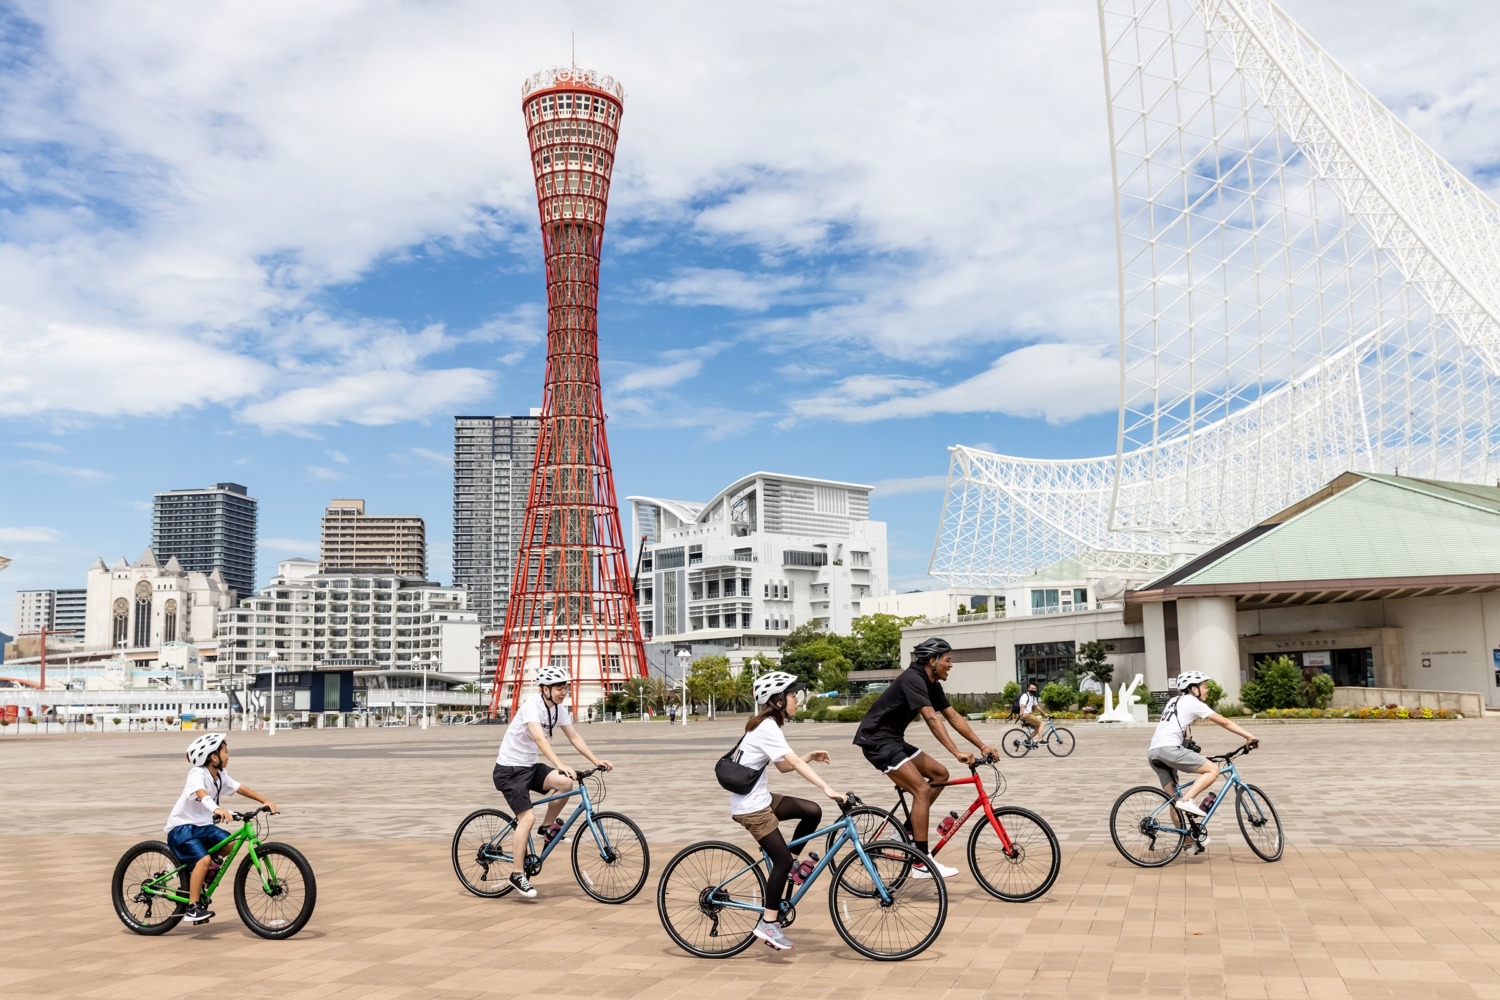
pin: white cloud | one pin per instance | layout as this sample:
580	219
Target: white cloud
375	398
700	286
82	475
440	457
1058	382
320	472
29	535
662	377
47	446
292	545
337	457
911	484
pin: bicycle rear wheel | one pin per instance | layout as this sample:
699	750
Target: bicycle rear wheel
1259	822
1028	870
141	874
696	888
1135	825
482	852
887	931
613	867
1061	744
278	903
1014	743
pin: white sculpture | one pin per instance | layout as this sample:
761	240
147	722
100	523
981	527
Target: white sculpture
1125	709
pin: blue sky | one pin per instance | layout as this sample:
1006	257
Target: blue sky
283	244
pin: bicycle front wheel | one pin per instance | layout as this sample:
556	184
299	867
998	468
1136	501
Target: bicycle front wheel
903	924
1259	822
1015	744
611	867
1028	869
142	874
1061	744
1136	827
482	852
278	902
694	899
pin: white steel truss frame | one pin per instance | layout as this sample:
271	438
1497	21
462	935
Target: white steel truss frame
1305	287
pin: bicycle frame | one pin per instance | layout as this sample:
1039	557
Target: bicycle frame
585	807
980	799
164	885
1232	779
848	835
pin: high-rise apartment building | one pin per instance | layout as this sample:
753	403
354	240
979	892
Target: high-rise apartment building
207	530
53	610
353	539
492	459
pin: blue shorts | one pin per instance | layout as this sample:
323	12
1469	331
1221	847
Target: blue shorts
189	843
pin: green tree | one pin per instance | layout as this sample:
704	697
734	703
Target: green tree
1277	684
877	640
742	689
1093	661
709	680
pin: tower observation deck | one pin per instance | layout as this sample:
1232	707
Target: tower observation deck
571	604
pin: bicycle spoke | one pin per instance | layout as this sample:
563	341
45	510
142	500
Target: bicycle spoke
694	892
276	900
611	866
481	852
1138	825
903	923
1028	868
142	874
1258	822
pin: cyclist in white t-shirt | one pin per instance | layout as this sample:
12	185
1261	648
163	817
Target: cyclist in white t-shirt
1172	749
762	812
518	771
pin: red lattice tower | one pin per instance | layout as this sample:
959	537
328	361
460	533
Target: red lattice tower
571	599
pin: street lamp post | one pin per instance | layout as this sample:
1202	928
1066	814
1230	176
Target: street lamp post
426	662
683	659
273	659
245	702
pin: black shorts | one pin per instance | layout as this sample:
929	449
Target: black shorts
517	784
889	756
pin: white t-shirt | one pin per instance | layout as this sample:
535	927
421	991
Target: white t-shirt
1029	702
763	745
1176	719
193	811
518	749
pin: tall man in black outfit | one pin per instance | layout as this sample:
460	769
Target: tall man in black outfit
882	734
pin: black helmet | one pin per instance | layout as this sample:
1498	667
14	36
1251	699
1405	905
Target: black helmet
929	649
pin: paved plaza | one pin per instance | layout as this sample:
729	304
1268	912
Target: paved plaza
1390	885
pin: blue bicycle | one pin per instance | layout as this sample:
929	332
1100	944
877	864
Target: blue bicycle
610	857
712	894
1150	832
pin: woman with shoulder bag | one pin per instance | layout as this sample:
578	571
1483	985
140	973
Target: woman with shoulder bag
761	812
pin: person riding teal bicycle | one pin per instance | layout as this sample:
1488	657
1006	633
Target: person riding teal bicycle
1029	703
882	737
191	831
518	771
760	811
1172	748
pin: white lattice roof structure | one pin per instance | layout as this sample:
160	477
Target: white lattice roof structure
1306	288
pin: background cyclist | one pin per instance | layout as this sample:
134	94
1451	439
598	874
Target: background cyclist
1029	703
1168	753
518	771
759	811
882	735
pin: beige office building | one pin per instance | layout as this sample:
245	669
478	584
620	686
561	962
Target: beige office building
354	540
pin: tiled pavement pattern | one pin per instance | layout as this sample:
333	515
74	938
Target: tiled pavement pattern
1390	885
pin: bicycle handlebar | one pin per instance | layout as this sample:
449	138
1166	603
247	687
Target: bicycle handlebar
1238	752
245	817
589	772
850	801
988	758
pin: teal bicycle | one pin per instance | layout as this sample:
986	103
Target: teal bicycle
712	894
1150	832
274	888
610	856
1019	742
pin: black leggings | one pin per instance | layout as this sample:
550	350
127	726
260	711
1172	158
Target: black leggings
808	815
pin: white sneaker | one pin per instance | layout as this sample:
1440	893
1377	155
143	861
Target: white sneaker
922	871
1188	806
771	934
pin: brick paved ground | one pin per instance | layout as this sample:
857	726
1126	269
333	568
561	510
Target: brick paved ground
1384	891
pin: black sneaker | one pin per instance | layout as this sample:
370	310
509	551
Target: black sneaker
522	884
196	913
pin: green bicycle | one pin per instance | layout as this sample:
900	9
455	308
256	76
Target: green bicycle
150	886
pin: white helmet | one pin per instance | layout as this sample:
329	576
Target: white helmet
203	748
1187	680
768	686
552	675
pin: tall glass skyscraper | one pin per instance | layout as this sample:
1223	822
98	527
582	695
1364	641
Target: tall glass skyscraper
207	530
492	460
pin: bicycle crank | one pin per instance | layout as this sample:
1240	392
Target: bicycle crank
788	915
533	865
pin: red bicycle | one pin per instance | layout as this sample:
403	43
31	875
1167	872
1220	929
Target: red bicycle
1013	852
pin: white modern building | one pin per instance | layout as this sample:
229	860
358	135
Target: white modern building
354	540
768	553
145	604
53	610
369	621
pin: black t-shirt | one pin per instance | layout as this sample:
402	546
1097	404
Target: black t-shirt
897	705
